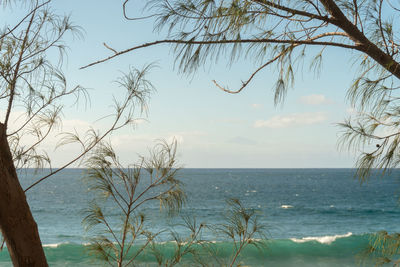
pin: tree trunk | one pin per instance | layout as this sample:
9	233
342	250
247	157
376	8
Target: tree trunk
17	225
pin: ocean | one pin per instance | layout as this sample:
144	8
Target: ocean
312	217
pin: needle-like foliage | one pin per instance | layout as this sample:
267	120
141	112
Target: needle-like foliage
241	229
384	248
33	85
33	95
190	245
126	190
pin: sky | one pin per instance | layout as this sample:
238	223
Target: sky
213	129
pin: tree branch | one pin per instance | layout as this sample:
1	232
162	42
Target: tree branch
13	83
23	19
362	42
235	41
293	11
244	84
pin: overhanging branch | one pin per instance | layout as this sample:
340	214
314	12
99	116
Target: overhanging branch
244	84
235	41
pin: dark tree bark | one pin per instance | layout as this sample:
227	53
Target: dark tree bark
365	45
17	225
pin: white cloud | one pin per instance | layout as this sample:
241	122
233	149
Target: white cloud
315	100
296	119
140	121
18	118
256	106
75	124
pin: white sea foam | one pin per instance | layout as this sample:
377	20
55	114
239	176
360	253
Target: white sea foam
286	206
55	245
321	239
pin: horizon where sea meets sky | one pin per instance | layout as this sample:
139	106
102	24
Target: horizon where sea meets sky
213	129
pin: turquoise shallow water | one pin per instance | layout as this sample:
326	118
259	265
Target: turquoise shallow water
314	217
285	252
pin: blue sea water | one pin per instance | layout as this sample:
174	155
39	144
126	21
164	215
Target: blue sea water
313	217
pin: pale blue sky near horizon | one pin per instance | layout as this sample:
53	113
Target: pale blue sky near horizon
214	129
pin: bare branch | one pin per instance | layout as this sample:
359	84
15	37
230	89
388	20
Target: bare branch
10	31
13	83
112	49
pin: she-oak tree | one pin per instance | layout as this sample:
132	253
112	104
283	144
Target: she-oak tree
271	32
33	93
